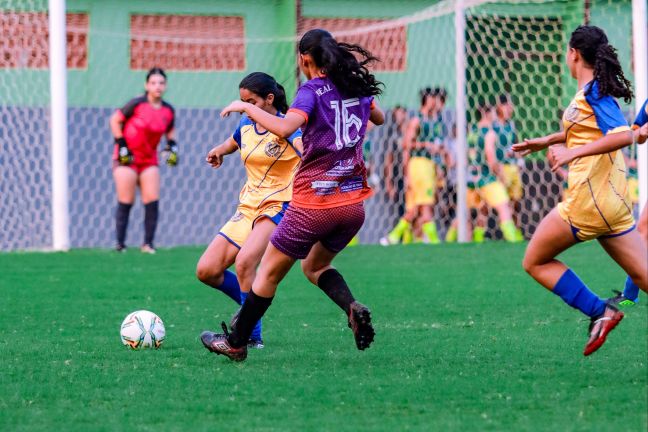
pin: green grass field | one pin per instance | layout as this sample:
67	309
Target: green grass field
465	341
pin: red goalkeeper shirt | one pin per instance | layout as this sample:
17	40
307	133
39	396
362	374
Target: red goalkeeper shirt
144	125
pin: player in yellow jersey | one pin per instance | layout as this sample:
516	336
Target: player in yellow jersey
595	206
561	155
270	164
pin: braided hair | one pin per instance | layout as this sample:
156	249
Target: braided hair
592	43
339	62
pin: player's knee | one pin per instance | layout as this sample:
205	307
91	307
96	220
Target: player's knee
309	271
244	266
207	274
528	264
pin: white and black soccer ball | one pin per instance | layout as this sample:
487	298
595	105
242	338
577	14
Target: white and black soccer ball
142	329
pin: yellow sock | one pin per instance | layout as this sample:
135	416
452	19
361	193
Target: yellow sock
452	235
479	233
396	234
430	231
508	231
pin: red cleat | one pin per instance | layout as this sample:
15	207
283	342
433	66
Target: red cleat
601	326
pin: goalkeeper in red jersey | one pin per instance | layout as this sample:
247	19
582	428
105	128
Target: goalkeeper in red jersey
138	127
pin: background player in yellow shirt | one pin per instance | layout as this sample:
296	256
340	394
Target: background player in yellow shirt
421	143
595	206
270	164
509	164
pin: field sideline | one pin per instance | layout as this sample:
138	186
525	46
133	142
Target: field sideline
465	341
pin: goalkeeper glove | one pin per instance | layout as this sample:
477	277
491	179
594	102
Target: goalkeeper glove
124	156
171	152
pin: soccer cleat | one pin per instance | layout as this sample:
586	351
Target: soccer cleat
385	241
620	300
147	249
600	326
255	344
252	342
217	343
121	248
360	324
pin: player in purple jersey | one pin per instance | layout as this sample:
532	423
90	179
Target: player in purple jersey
326	211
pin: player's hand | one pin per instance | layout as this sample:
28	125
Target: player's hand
643	134
529	146
170	153
214	157
559	156
235	106
124	155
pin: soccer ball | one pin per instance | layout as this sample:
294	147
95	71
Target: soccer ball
142	329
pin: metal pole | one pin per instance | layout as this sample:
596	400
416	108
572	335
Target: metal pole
640	50
58	118
461	155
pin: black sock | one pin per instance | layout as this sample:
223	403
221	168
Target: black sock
334	286
150	221
121	219
252	310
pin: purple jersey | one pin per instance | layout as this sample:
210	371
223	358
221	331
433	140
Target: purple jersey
332	171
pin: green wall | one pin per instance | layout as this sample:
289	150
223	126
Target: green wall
270	27
108	80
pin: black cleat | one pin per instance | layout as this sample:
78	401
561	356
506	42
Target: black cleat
120	248
360	324
217	343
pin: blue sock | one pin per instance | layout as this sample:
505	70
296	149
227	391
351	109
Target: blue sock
576	294
631	291
256	331
230	287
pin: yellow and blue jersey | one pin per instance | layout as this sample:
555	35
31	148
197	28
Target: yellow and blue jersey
270	164
596	200
642	116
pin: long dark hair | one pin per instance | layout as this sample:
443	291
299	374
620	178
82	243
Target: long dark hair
338	61
593	45
262	84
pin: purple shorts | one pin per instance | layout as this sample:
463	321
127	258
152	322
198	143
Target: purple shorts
301	228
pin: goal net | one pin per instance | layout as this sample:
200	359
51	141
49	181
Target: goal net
514	50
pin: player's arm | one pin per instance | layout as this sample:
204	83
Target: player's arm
562	155
533	145
117	120
283	127
215	155
491	156
298	145
376	115
171	150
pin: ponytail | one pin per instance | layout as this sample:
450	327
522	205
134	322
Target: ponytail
339	62
592	43
609	74
262	84
280	102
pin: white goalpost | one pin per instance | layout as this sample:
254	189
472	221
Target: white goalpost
58	126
